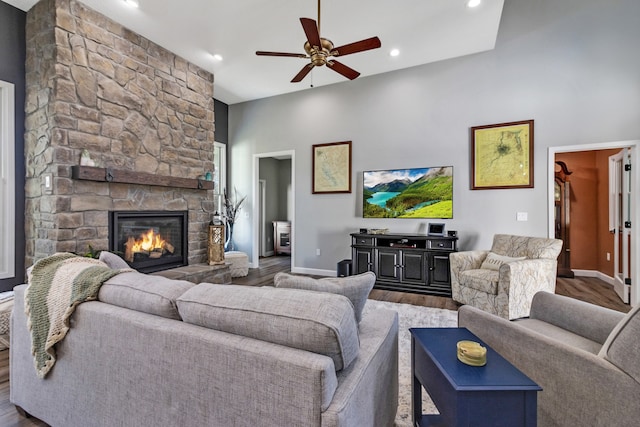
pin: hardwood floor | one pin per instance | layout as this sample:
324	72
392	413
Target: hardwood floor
588	289
592	290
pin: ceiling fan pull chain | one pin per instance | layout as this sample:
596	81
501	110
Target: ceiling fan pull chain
318	16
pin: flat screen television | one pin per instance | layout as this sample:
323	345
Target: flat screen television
408	193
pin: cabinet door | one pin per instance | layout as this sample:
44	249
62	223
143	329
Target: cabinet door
439	268
413	267
363	260
388	265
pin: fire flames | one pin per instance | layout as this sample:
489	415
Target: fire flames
150	244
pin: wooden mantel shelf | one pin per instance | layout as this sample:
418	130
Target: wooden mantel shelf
90	173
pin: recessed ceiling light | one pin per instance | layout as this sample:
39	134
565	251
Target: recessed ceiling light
131	3
394	52
473	3
217	57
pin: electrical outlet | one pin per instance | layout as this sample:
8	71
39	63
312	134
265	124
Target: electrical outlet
522	216
318	252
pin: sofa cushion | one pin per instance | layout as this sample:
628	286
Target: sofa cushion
113	260
142	292
622	347
318	322
560	334
493	261
356	288
481	280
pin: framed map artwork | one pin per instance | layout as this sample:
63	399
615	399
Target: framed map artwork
331	171
502	156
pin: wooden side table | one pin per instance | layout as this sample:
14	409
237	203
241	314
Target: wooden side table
496	394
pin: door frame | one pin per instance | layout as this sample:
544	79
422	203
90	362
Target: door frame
255	255
262	193
635	212
617	204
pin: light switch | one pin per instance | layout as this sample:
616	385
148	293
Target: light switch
522	216
47	182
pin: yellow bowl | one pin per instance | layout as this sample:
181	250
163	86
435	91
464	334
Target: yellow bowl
471	353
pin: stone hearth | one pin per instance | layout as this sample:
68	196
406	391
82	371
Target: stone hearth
198	273
96	87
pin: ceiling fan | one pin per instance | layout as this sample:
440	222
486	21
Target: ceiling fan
321	51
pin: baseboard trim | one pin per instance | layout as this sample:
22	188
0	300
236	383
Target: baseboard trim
594	273
314	271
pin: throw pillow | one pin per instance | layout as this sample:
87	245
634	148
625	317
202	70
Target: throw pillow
318	322
493	261
112	260
356	288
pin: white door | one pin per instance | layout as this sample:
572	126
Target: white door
620	203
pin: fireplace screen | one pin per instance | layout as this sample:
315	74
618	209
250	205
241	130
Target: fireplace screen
149	240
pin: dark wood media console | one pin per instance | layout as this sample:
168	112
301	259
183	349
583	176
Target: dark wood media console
405	262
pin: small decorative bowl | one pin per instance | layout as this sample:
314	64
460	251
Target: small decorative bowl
471	353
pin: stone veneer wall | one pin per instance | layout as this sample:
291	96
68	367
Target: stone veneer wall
93	84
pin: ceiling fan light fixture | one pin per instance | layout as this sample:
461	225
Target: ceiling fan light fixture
321	51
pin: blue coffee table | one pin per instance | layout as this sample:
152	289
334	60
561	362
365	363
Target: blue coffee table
496	394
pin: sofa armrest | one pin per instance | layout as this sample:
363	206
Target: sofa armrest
467	260
462	261
581	318
521	280
579	388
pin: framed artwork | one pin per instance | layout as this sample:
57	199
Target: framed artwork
331	172
502	156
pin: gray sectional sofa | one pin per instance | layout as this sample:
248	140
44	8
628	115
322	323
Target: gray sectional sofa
586	358
157	352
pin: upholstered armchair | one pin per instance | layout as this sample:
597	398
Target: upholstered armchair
503	280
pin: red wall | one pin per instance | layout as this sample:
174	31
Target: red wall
590	239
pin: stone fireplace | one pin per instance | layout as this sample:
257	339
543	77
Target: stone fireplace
140	117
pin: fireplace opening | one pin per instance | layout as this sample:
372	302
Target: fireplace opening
149	240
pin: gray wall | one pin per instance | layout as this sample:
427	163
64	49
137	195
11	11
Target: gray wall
571	65
221	111
13	54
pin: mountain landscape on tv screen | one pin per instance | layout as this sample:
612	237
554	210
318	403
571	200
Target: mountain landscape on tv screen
409	193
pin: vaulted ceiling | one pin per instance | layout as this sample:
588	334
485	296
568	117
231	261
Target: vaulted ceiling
422	32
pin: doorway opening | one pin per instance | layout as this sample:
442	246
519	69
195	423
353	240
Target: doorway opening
605	254
274	195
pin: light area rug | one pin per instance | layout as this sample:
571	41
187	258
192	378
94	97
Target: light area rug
411	316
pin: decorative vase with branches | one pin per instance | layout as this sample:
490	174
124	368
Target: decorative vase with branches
231	208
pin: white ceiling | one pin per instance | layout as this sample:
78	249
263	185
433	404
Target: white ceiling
423	31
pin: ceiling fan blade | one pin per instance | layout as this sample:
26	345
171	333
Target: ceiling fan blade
292	55
339	67
311	31
355	47
303	73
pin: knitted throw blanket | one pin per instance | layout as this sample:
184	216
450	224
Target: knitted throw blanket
57	284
